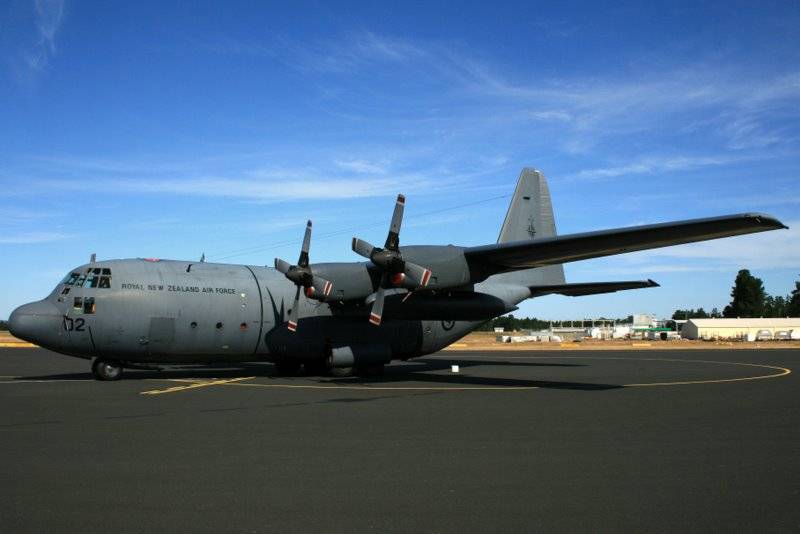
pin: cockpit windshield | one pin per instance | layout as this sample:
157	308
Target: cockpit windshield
99	277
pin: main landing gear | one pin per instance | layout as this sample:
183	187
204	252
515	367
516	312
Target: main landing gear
106	369
320	367
364	371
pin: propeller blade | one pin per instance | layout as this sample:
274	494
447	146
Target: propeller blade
376	314
303	261
393	239
294	311
362	248
282	266
320	287
420	275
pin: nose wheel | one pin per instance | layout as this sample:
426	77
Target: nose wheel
106	369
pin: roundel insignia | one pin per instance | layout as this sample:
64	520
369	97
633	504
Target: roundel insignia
448	325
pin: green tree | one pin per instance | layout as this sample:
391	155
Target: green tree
793	304
775	306
691	313
747	296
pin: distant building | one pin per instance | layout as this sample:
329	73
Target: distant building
750	329
644	320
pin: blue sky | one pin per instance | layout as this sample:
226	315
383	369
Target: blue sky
155	130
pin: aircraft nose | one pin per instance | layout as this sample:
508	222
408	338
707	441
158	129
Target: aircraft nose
34	322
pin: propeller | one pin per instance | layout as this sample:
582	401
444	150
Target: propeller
314	287
396	271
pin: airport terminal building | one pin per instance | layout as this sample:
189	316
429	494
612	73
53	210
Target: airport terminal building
750	329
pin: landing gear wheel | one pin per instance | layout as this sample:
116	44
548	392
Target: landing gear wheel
106	369
342	372
371	370
287	367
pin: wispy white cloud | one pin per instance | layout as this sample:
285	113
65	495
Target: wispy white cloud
271	187
655	165
726	103
13	215
34	58
361	166
360	50
31	238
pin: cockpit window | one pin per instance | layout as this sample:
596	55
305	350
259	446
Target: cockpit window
70	279
77	303
88	305
92	277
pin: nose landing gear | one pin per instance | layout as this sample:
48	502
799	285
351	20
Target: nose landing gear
106	369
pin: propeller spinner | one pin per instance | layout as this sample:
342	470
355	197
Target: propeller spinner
396	271
315	287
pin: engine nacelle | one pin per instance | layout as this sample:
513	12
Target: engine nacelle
351	281
448	266
355	355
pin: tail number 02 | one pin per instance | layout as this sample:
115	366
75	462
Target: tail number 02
74	324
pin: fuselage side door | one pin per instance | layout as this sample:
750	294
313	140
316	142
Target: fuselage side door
161	335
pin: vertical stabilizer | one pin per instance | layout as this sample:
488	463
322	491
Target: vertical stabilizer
530	216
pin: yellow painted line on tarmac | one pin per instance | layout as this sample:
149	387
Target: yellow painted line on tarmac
388	388
16	345
783	370
195	385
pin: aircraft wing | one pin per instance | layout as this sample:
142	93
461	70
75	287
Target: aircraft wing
589	288
504	257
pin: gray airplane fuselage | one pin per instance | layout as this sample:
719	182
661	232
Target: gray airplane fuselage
170	311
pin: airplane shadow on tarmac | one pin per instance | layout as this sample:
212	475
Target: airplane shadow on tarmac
421	370
422	373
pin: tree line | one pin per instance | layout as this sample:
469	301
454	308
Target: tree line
511	323
749	299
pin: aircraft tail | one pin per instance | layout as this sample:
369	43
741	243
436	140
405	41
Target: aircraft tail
530	216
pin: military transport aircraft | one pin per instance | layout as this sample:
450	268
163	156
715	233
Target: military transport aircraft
339	318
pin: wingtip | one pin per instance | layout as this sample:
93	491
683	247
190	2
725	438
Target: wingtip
652	283
767	220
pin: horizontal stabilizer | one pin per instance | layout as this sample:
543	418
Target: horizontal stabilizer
504	257
590	288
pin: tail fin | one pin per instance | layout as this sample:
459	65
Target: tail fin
530	216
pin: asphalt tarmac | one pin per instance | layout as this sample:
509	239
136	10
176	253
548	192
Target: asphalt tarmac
555	441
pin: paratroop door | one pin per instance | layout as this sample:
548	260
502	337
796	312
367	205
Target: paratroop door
162	334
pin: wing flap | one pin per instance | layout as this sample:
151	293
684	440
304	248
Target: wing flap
504	257
590	288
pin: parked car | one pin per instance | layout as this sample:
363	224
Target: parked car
763	335
783	334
